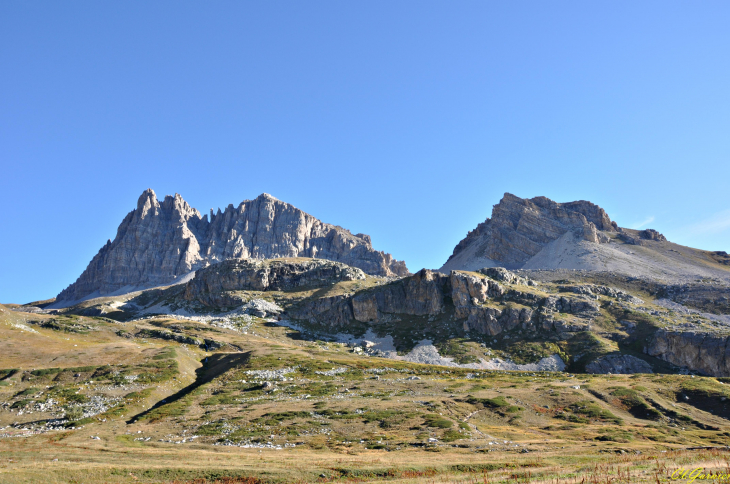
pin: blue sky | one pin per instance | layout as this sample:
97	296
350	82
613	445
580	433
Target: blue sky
403	120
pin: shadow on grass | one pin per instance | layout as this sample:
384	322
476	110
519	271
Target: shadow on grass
213	366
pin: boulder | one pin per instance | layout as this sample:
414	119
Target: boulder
618	364
503	275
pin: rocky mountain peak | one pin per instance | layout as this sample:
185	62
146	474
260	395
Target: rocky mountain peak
146	202
159	242
541	234
592	212
148	196
519	228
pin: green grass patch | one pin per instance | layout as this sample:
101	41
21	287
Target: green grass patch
456	348
452	435
221	399
27	391
166	354
338	414
497	403
22	403
45	372
437	421
317	389
592	411
386	418
524	352
635	404
615	435
138	396
7	373
217	428
273	419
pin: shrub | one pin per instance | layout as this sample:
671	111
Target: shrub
74	413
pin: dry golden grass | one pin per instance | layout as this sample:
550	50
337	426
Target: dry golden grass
71	459
370	423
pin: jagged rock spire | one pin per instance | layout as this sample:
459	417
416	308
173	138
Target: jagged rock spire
158	242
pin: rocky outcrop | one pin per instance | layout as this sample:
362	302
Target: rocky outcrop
714	298
584	308
503	275
721	257
334	312
618	364
210	285
484	305
493	321
651	234
468	290
594	290
261	308
639	237
204	343
702	352
157	243
420	294
520	228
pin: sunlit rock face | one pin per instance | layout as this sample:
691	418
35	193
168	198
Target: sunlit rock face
520	228
159	242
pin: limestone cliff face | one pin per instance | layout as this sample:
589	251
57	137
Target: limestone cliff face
703	352
520	228
425	293
420	294
159	242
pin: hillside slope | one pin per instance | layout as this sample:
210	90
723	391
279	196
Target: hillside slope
244	399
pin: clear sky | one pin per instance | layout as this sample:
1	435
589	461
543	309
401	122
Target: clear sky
404	120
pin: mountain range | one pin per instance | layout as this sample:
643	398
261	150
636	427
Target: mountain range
536	272
164	243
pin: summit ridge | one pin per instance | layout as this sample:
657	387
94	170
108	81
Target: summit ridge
160	242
